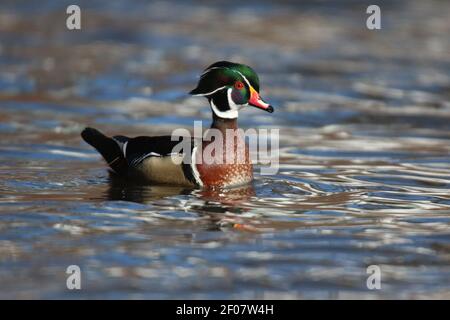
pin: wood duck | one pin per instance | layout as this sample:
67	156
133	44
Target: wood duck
228	87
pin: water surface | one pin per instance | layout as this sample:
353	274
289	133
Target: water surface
364	178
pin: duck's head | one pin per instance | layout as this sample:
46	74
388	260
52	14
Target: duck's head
228	87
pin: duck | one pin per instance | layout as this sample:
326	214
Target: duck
229	87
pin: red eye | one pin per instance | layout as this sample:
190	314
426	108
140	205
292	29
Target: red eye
239	85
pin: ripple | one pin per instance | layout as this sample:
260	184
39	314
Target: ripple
364	173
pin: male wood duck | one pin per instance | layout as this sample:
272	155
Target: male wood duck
228	87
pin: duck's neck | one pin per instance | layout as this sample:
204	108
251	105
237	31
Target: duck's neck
223	124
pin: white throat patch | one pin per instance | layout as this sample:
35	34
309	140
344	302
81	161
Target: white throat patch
229	114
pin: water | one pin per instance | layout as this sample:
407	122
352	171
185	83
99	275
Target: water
364	173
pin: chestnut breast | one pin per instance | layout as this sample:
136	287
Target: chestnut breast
224	162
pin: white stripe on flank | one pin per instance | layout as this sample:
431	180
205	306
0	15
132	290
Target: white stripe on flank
143	157
195	172
124	149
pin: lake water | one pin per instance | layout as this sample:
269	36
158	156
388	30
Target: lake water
364	177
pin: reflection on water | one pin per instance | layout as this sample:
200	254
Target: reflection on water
121	189
364	151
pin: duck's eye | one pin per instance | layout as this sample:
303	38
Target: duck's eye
239	85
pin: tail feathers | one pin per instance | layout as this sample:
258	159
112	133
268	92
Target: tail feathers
108	148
